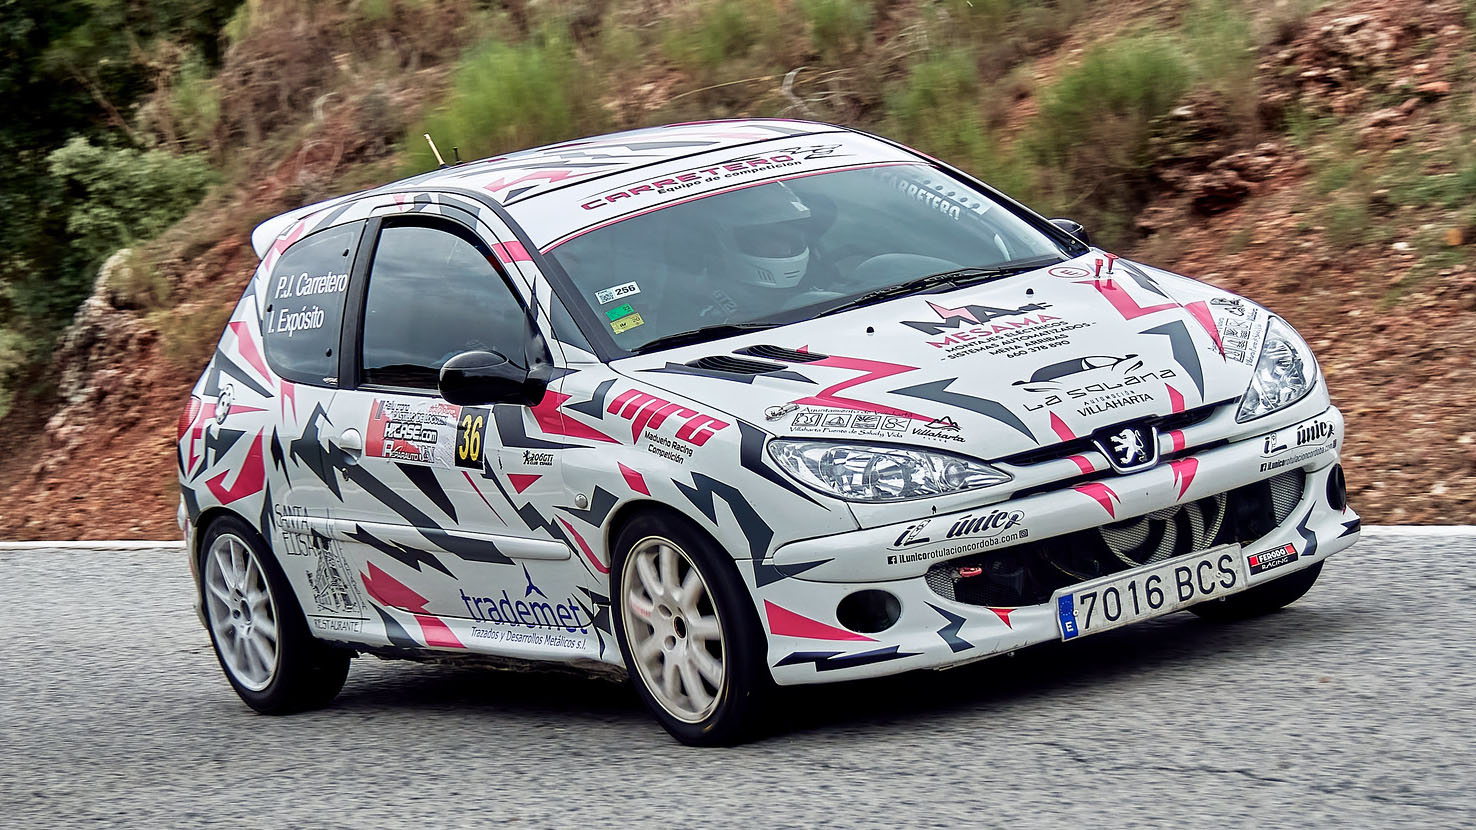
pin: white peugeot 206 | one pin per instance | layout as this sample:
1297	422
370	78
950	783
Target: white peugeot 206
731	404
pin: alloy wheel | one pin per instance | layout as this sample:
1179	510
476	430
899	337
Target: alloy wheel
675	636
242	612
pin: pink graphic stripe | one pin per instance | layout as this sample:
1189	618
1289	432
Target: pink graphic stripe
789	624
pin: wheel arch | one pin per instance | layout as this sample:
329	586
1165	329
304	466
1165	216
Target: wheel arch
210	516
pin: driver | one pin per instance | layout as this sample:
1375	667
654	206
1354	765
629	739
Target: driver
758	251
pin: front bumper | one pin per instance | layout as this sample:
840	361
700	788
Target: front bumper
936	632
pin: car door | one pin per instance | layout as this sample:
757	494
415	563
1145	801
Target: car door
302	310
429	488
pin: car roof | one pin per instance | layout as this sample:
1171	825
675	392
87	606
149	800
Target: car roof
516	177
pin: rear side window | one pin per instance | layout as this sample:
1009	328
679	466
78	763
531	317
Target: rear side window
304	307
432	295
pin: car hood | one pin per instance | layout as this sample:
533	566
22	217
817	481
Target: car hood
991	370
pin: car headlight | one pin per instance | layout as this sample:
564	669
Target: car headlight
874	473
1285	372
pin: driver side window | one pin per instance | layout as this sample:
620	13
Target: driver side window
432	295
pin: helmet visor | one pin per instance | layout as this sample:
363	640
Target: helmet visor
778	241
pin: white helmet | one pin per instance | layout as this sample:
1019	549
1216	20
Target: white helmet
760	228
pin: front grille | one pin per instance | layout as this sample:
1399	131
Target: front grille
1028	574
1078	446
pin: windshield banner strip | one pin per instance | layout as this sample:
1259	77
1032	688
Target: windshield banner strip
729	189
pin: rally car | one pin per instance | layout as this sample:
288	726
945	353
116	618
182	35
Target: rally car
730	405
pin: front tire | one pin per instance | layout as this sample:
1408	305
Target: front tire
1260	600
257	628
688	631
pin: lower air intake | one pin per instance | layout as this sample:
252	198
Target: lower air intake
1028	574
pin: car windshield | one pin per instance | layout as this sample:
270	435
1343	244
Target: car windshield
789	250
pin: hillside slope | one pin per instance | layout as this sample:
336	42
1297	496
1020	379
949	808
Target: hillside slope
1326	168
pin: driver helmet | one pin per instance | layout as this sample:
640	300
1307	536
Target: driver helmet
762	232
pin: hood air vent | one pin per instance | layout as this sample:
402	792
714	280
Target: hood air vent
781	353
734	365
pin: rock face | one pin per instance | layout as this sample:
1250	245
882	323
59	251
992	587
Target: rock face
106	351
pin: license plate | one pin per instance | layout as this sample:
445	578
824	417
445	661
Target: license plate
1140	594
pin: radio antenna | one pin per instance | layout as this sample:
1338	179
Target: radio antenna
437	153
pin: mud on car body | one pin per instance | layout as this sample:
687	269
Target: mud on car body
731	404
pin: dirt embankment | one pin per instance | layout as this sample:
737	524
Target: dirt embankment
1350	227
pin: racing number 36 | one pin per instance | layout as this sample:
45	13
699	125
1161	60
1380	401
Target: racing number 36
471	434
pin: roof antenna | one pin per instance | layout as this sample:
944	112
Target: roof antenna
456	153
432	144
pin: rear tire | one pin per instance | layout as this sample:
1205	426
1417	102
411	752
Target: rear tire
258	630
1262	599
692	642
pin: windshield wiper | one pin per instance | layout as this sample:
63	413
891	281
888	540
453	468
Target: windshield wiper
957	278
698	335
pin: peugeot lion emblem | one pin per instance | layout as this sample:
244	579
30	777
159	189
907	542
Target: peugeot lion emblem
1130	448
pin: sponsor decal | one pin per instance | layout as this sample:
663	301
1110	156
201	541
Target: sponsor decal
1296	458
427	432
421	431
824	421
334	590
696	177
609	295
1316	432
1119	387
648	414
1239	329
532	618
955	318
966	534
337	625
538	458
1271	559
1004	332
297	535
942	429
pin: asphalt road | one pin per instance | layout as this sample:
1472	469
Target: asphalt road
1354	708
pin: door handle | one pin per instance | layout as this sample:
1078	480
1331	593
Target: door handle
351	442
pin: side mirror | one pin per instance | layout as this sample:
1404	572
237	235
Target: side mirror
477	378
1074	228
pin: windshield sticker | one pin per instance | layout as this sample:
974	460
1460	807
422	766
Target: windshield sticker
615	292
945	202
626	323
717	171
620	311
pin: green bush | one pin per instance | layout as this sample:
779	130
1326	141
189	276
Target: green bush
707	38
1222	46
1131	80
837	27
936	108
110	198
509	96
1090	141
122	195
195	104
